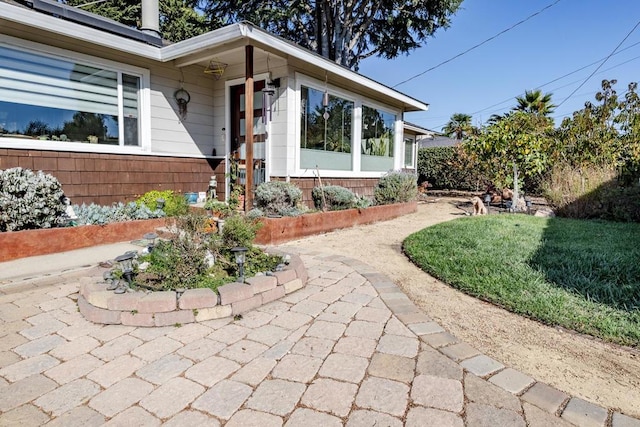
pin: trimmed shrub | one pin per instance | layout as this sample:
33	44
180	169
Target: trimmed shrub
174	203
29	200
239	231
335	198
396	187
445	169
279	198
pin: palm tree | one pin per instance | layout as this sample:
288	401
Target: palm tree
534	101
459	125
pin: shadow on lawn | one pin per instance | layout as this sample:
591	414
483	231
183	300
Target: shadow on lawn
599	260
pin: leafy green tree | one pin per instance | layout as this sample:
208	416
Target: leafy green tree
591	136
179	19
517	144
534	101
344	31
459	126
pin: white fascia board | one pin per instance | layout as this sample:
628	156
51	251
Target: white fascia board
238	31
208	40
318	61
41	21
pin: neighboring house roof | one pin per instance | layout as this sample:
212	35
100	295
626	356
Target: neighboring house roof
418	130
437	140
197	49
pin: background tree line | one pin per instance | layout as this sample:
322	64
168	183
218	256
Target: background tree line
588	166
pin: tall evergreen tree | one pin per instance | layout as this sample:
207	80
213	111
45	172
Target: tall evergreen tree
345	31
179	19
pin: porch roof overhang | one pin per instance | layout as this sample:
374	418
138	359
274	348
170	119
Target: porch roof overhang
200	48
206	45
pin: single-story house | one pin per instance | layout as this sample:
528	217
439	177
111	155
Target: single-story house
114	112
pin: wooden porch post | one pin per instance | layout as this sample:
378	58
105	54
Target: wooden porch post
248	115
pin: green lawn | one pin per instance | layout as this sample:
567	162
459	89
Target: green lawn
582	275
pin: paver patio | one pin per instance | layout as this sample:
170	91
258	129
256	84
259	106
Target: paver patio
348	349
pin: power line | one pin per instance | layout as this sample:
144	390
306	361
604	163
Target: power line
478	45
601	64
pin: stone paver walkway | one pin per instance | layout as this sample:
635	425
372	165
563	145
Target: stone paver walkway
348	349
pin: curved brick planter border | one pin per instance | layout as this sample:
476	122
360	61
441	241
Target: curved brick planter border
167	308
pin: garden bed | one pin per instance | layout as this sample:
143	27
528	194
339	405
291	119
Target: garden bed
166	308
26	243
278	230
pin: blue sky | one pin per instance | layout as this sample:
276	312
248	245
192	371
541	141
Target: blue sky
560	40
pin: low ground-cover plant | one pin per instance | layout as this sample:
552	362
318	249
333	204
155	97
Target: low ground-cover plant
194	258
582	275
335	198
396	187
29	200
118	212
174	203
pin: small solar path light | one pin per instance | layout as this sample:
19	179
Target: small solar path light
240	253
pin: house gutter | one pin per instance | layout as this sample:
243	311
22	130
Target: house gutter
53	24
251	33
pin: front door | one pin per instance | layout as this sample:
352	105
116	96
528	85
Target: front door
238	139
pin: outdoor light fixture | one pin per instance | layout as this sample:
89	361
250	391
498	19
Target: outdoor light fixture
151	240
182	97
240	253
160	203
487	201
126	266
527	202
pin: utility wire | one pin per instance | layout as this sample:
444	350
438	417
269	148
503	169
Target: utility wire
478	45
601	64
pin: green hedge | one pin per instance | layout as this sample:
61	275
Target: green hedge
445	169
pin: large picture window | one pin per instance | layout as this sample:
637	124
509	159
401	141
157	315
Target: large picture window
325	130
54	99
377	139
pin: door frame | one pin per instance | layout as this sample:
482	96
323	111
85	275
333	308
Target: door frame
227	128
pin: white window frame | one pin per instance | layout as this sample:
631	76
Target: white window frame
413	151
144	107
356	129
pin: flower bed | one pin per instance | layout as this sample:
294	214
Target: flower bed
26	243
166	308
278	230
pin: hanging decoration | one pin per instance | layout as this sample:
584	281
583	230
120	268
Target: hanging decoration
215	68
182	97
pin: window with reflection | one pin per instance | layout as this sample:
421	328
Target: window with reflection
54	99
325	130
409	150
378	130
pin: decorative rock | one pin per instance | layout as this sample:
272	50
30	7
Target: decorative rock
197	298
